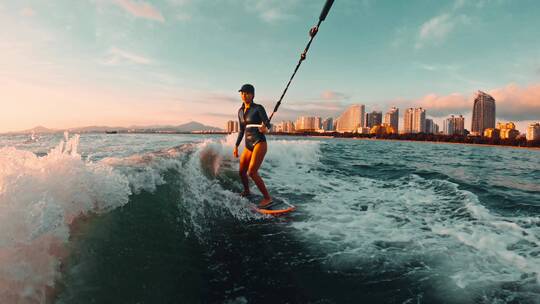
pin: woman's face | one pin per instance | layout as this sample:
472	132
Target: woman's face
247	97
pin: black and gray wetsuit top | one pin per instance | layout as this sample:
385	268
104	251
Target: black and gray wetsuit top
254	115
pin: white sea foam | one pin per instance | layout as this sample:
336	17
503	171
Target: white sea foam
39	198
203	194
144	171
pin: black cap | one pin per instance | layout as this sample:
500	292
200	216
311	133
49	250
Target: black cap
247	88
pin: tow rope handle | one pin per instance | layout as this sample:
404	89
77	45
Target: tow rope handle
312	33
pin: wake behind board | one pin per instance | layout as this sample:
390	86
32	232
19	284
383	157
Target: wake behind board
278	207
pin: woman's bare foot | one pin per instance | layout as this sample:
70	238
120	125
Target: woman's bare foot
245	193
265	202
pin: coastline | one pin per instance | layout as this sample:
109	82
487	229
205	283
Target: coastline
447	142
405	140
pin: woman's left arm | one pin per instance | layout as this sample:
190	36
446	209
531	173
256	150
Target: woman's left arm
264	117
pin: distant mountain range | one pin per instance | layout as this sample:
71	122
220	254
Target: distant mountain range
191	126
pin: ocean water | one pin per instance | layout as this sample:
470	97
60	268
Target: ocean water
135	218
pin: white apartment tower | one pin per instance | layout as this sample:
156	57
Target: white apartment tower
308	123
232	126
392	118
414	120
351	119
454	125
533	131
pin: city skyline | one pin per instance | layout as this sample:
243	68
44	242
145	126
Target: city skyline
357	120
69	64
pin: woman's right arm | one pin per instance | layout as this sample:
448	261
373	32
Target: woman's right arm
242	128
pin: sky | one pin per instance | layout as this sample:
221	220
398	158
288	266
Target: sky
67	63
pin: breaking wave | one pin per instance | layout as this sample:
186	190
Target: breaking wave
39	198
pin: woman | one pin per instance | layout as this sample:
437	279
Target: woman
253	155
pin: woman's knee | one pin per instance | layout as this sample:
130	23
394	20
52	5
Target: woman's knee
252	173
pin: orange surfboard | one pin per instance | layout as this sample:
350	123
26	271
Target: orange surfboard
279	207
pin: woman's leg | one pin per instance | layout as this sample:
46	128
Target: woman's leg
257	157
245	158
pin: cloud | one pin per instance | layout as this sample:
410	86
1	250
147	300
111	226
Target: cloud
513	103
315	106
116	56
517	103
440	106
329	104
333	95
140	9
293	111
27	12
439	67
436	29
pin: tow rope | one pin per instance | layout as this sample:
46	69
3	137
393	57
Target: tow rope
312	32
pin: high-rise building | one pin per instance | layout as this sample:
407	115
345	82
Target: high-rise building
429	126
459	125
232	126
533	131
318	123
392	118
408	117
448	127
308	123
328	124
351	119
454	125
288	126
414	120
435	128
483	115
278	126
285	126
373	119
